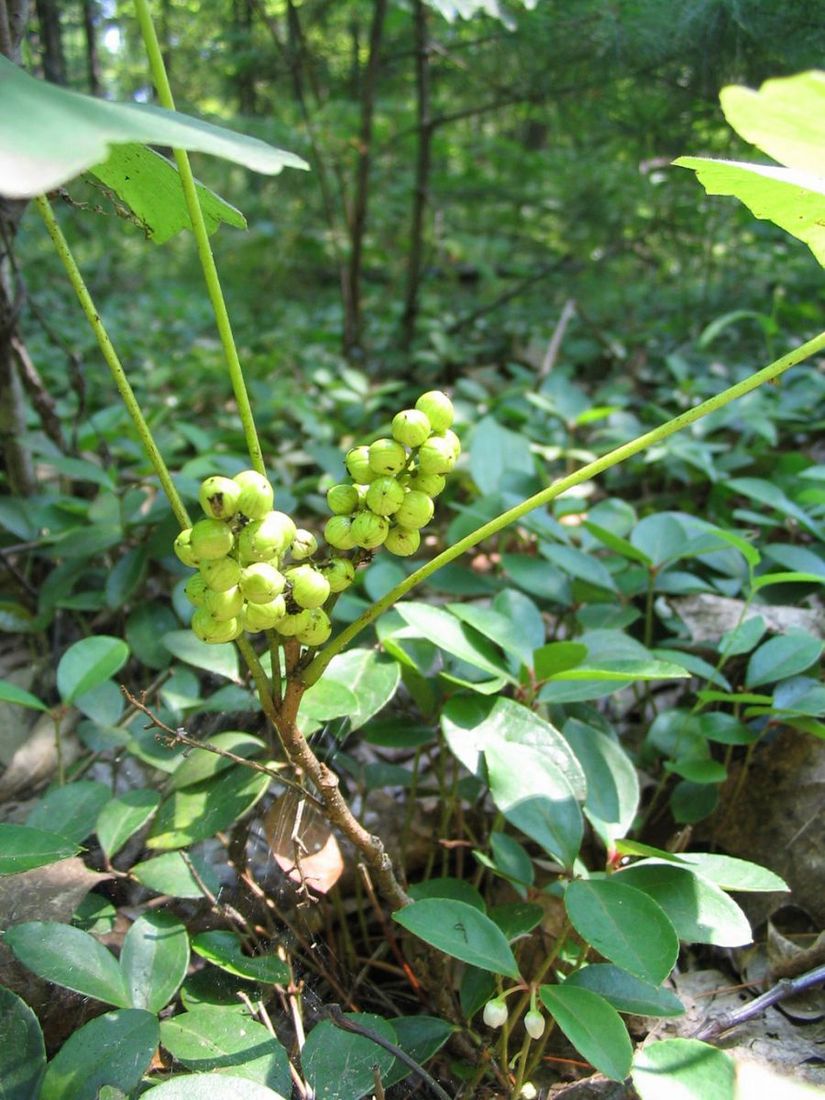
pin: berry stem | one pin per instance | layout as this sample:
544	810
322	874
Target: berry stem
585	473
210	271
113	362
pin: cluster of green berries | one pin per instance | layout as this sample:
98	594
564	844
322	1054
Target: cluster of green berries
394	481
253	568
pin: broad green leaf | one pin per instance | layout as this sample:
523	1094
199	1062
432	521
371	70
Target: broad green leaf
534	795
202	764
612	782
516	918
580	565
511	860
122	816
23	848
625	669
733	874
687	1069
224	950
170	874
555	657
462	641
22	1050
221	660
372	678
71	810
495	626
784	119
150	186
125	577
211	987
456	888
95	914
537	577
146	627
208	1086
593	1026
419	1036
49	134
624	925
765	492
222	1041
698	910
781	657
471	725
11	693
765	580
615	542
202	810
698	771
154	960
67	956
327	699
460	931
625	992
495	452
338	1065
114	1049
692	802
660	538
90	661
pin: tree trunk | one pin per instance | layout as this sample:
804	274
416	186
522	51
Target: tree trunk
51	41
244	72
90	16
422	174
352	333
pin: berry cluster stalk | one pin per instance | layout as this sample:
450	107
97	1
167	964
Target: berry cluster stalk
210	271
619	454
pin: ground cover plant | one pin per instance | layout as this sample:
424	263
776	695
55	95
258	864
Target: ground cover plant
305	827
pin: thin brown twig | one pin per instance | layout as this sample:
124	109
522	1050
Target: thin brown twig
784	988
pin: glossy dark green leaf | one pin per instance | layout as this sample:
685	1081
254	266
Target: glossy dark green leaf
202	764
126	576
22	1050
224	949
457	638
113	1049
454	888
71	810
327	699
495	452
516	918
612	782
122	816
555	657
11	693
696	1069
419	1036
593	1027
170	874
781	657
154	960
501	630
461	931
209	1086
626	992
372	677
88	663
23	848
69	957
146	627
197	812
221	660
733	874
339	1065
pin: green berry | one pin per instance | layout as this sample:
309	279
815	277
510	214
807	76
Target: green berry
183	548
358	466
256	494
340	573
310	588
402	541
317	630
453	440
411	427
220	573
338	533
195	589
369	530
436	456
431	484
438	409
223	605
385	496
209	629
264	616
266	538
304	545
219	497
416	511
290	625
211	539
261	582
342	499
387	457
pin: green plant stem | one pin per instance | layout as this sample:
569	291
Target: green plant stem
210	271
110	355
522	1065
585	473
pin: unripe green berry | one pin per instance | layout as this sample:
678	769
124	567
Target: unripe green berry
340	573
264	616
265	538
220	574
317	630
195	589
290	625
438	409
219	497
342	499
211	539
310	588
256	494
416	511
436	456
183	548
357	462
369	530
304	545
431	484
338	533
387	457
209	629
453	440
385	496
223	605
411	427
402	541
261	582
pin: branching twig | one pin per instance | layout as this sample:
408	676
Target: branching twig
784	988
